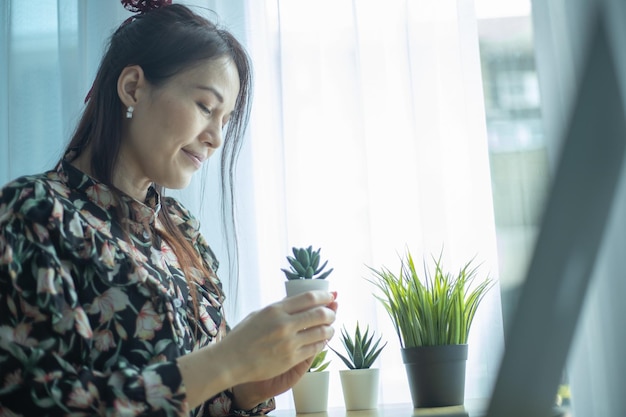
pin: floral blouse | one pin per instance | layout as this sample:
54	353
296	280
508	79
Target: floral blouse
92	321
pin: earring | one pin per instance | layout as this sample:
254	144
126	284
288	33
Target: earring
129	112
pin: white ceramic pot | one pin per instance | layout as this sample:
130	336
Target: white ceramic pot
297	286
360	388
310	394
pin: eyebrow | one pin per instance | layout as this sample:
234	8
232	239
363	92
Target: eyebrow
213	90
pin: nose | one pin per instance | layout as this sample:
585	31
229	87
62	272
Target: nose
212	136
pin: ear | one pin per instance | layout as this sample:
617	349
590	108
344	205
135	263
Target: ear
130	85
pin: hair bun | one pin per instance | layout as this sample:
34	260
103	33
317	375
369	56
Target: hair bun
144	6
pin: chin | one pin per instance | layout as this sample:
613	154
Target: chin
176	185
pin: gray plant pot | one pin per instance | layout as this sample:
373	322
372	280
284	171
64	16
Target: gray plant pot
436	374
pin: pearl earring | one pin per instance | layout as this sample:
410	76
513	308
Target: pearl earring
129	112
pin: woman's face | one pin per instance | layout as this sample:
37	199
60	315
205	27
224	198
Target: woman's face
176	126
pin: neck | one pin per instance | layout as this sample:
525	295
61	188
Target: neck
122	178
83	163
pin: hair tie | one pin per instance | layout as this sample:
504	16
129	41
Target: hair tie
144	6
141	7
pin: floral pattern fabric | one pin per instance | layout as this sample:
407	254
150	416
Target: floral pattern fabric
93	318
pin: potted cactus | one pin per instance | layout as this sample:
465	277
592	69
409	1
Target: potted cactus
359	382
310	394
305	272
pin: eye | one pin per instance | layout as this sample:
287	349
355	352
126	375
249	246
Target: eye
204	109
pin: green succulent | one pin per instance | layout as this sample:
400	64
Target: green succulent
318	364
305	264
361	352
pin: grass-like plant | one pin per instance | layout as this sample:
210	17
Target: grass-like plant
305	264
318	364
362	350
437	309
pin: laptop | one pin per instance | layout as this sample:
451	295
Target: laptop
576	211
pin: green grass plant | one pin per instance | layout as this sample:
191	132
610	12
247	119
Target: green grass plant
435	309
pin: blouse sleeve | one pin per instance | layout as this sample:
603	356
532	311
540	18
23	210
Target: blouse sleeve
44	329
221	404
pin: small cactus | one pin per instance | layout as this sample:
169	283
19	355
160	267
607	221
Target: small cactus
304	264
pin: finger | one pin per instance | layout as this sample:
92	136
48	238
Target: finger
306	301
333	305
307	362
309	351
316	334
317	316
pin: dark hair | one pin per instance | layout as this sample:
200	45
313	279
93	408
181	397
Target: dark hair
163	42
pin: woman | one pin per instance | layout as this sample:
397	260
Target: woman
109	302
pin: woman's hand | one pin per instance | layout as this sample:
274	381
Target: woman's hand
269	349
250	394
272	341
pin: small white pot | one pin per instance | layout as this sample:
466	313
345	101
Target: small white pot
310	394
360	388
297	286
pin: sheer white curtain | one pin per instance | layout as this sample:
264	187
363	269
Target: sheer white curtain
49	52
367	138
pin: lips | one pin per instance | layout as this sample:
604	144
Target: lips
196	158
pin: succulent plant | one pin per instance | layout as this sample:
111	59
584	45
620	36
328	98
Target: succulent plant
305	264
318	364
361	351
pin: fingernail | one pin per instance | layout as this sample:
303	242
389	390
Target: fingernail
334	293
